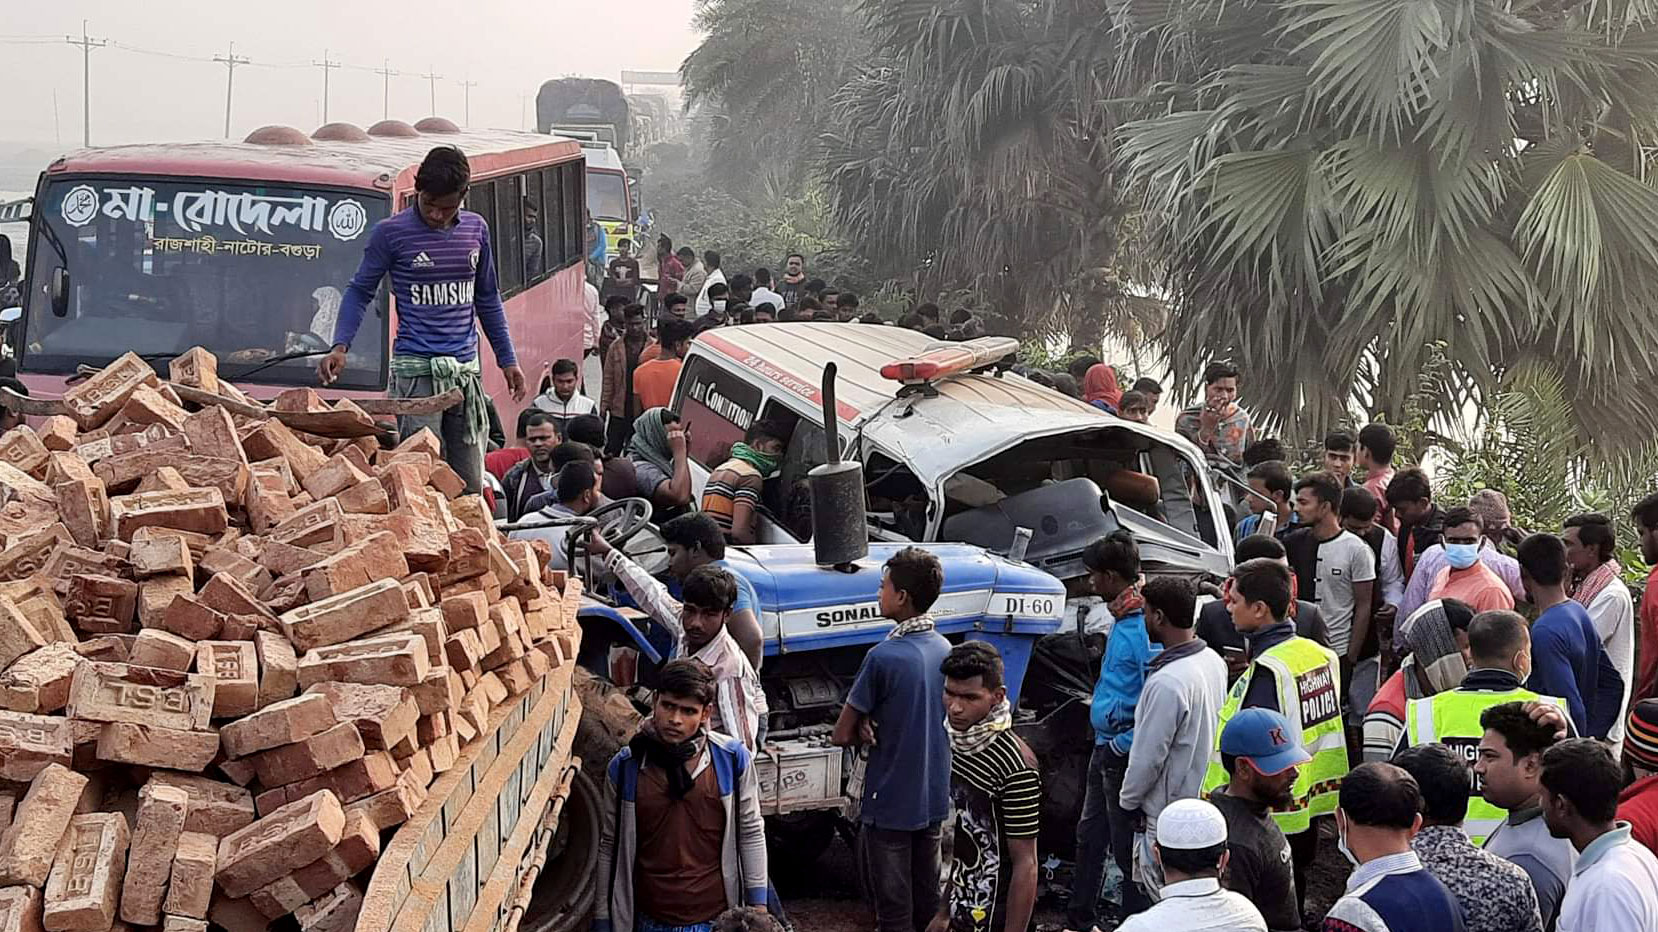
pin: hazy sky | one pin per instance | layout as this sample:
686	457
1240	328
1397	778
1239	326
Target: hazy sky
508	46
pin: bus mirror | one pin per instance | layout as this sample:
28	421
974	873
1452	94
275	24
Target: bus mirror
11	315
60	292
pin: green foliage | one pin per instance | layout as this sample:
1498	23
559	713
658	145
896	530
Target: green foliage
1347	184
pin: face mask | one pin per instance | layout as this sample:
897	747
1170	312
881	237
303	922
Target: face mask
1341	845
719	306
1462	556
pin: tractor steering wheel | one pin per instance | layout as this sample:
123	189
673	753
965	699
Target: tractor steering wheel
619	521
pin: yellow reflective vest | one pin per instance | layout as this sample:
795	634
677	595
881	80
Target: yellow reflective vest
1452	718
1309	695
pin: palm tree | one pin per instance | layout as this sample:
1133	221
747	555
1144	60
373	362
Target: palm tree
1338	184
765	73
972	154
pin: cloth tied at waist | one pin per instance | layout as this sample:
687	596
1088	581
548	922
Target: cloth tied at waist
447	372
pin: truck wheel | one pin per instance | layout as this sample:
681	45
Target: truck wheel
568	886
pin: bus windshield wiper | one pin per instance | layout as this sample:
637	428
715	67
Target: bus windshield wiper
278	360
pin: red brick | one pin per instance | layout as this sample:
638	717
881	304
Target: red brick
383	715
279	467
463	649
439	691
318	526
97	399
197	368
376	558
154	746
162	649
200	510
234	667
27	555
57	433
405	485
139	471
337	911
30	743
308	757
345	616
107	648
161	554
155	837
273	438
18	635
147	406
429	624
364	498
285	594
190	891
171	923
278	667
281	723
165	479
239	772
213	433
84	507
392	660
107	692
425	543
468	557
186	616
155	441
36	598
23	448
394	806
67	466
39	680
372	773
516	677
225	559
20	909
30	843
216	808
292	837
282	559
84	887
335	476
461	612
444	752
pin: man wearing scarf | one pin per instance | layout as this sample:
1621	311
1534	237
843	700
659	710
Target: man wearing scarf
1099	388
1437	660
661	467
997	791
896	707
732	494
1597	585
442	273
687	841
1114	572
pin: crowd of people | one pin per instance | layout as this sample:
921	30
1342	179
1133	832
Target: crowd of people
1458	703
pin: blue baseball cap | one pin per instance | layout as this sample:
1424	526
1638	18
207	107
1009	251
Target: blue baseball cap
1263	736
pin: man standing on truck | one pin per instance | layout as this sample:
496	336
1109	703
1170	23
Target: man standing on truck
896	708
997	790
443	278
688	842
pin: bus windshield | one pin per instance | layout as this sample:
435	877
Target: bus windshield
249	271
606	196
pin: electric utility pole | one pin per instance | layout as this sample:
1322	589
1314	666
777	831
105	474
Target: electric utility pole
432	78
386	73
326	65
230	60
466	90
87	44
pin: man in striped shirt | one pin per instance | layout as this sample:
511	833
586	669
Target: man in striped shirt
997	792
732	494
443	279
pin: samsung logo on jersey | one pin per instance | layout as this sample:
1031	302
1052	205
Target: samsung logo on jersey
442	294
840	616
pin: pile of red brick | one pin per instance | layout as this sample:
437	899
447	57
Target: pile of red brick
234	655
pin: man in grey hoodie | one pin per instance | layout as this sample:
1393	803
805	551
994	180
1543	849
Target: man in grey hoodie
1175	719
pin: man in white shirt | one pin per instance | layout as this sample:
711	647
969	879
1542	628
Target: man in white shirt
592	325
763	293
559	397
1597	585
1614	886
711	261
1191	848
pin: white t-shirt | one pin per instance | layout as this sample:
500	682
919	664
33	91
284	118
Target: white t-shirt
764	295
1342	561
1614	887
1613	613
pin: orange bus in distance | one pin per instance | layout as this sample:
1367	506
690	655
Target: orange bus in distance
246	248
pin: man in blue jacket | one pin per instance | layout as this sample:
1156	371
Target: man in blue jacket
1114	570
686	841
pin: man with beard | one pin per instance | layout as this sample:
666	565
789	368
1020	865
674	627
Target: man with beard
534	475
1262	764
793	285
688	842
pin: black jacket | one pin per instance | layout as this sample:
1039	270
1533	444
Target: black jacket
521	484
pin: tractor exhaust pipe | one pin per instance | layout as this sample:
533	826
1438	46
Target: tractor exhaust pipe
840	528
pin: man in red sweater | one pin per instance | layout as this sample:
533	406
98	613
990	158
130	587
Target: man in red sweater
1638	804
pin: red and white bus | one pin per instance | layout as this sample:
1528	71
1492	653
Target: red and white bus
247	248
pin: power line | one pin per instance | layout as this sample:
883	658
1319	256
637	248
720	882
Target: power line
86	44
230	60
326	67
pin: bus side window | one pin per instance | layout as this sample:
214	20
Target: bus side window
552	219
508	235
535	244
574	187
481	201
